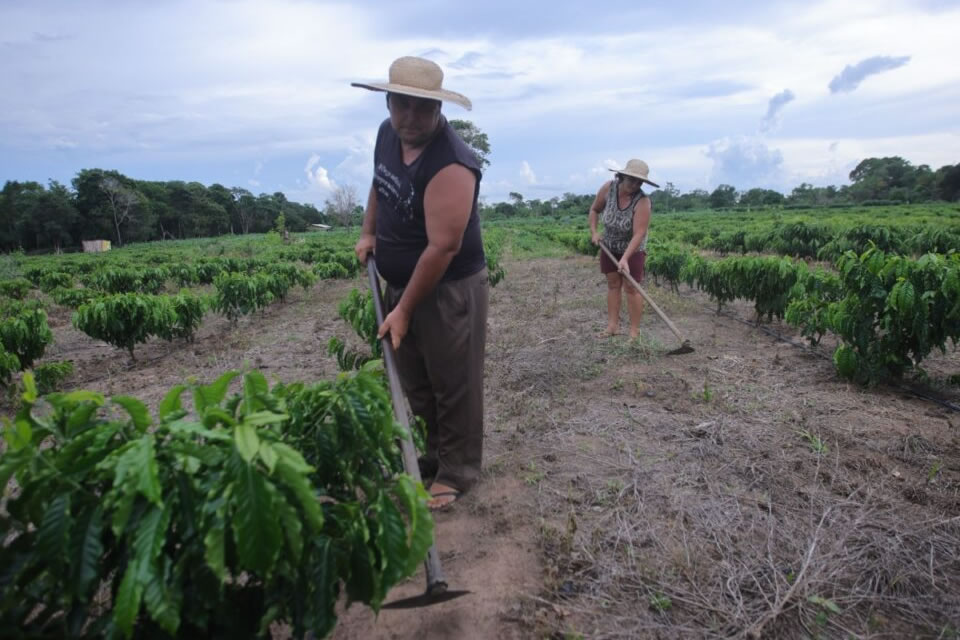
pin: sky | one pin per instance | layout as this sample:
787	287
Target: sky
257	94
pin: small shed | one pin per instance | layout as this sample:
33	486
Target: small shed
95	246
321	227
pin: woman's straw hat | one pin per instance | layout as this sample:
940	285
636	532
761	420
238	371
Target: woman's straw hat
419	78
638	169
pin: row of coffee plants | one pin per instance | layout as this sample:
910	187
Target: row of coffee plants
889	311
822	234
125	320
816	234
767	281
253	509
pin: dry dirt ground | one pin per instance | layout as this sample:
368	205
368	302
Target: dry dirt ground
738	491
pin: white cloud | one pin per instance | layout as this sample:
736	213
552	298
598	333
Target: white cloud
527	172
745	162
317	176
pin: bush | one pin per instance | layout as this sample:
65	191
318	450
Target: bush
125	320
16	288
257	509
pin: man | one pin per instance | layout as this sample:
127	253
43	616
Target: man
421	222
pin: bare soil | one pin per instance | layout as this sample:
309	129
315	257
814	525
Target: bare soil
740	490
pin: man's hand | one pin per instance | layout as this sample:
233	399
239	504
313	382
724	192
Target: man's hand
595	238
365	246
396	324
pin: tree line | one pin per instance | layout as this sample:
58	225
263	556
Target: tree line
891	180
105	204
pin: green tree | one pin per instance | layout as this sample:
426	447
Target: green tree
696	199
948	183
758	197
723	196
665	198
54	217
882	179
475	138
20	199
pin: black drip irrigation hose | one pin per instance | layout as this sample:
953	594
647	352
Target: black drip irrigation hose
782	338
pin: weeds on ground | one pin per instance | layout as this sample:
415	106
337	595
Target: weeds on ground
817	444
660	602
533	476
644	348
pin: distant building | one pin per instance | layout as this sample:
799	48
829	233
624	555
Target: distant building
95	246
321	227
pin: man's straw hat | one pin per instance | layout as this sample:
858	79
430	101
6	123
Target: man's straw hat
419	78
638	169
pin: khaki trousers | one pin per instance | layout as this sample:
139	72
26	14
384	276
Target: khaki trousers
441	369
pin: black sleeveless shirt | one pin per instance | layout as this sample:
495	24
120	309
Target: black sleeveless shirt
401	228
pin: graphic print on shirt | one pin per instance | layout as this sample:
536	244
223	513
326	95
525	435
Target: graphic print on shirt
396	190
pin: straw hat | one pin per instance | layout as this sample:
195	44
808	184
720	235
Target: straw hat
419	78
637	169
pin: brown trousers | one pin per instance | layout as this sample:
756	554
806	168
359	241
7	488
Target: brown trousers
441	370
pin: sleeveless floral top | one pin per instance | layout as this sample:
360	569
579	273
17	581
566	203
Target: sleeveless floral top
618	223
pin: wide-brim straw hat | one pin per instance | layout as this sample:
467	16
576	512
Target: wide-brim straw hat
637	169
419	78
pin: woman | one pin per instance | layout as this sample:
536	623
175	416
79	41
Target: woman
625	211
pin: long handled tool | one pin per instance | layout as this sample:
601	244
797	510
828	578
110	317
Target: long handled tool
684	343
437	588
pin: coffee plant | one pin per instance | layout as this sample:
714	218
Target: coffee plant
251	510
891	313
16	288
238	294
125	320
24	336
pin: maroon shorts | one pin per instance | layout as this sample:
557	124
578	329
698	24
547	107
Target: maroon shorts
636	262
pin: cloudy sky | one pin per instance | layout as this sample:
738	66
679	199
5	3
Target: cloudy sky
256	94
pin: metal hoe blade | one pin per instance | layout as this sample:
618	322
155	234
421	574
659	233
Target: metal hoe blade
424	600
437	589
682	349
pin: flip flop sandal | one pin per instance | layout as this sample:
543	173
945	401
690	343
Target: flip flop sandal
443	494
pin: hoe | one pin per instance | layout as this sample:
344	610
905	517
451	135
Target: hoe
437	589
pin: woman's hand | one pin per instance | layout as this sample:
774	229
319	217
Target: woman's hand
624	265
595	238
